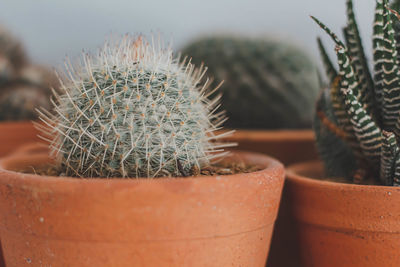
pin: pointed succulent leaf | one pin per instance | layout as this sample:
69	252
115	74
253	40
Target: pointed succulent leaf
345	69
394	8
347	81
396	176
367	132
391	98
389	153
386	69
342	117
378	40
331	141
396	25
330	70
328	31
359	61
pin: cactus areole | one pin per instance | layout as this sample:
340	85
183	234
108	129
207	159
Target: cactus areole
365	107
133	110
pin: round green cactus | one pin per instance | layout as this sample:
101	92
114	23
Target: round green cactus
268	84
133	110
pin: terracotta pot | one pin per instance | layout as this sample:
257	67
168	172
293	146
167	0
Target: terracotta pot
15	134
29	149
288	146
339	224
203	221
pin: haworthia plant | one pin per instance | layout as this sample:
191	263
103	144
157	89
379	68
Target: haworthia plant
134	110
362	110
269	84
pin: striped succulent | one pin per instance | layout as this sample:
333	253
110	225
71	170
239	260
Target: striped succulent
364	108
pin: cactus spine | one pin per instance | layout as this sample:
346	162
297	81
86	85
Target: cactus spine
133	110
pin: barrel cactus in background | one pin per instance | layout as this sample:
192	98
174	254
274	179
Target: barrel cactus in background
39	76
363	110
268	84
23	86
21	96
19	101
133	110
12	56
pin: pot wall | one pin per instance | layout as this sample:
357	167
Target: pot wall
343	224
204	221
288	146
15	134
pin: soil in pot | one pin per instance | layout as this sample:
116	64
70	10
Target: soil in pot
223	168
338	224
222	220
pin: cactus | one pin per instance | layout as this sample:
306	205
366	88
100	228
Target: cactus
19	101
12	56
22	95
133	110
365	107
268	84
23	87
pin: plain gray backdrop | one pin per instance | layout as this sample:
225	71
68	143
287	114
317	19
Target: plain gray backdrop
50	29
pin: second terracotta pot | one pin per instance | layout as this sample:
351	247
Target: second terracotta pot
203	221
288	146
337	224
15	134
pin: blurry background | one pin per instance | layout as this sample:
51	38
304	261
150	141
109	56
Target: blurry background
51	29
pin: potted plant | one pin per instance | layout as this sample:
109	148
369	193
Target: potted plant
351	217
135	111
23	87
269	92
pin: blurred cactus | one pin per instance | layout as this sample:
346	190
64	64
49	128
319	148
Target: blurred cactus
21	100
12	51
7	72
23	87
268	84
133	110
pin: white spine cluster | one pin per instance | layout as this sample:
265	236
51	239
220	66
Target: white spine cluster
133	110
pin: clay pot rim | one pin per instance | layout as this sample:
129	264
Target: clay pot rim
271	165
272	134
291	173
14	123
